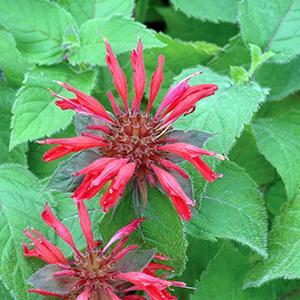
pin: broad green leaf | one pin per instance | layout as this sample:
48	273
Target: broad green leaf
17	155
162	228
35	113
223	279
213	11
239	75
190	29
247	156
233	208
278	140
83	10
284	249
38	27
12	63
122	33
226	113
276	197
21	204
273	26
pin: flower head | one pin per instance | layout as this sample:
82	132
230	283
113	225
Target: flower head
134	144
112	271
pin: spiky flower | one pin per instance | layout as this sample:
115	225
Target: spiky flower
107	272
134	144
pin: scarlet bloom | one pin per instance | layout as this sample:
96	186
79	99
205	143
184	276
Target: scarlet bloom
134	144
110	272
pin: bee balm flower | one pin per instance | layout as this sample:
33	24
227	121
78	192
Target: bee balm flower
110	272
134	144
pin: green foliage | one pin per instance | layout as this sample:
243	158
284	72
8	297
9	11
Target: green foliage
20	204
162	228
35	114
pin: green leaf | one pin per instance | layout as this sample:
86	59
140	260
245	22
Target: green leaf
247	156
213	11
12	63
239	75
277	139
20	206
190	29
225	113
5	293
284	249
35	113
84	10
273	26
233	208
162	228
38	27
17	155
224	277
122	33
276	197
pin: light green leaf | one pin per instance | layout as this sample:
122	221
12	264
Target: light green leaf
277	138
162	228
284	249
17	155
213	11
247	156
35	113
233	208
225	113
273	26
122	33
38	27
181	26
20	206
239	75
12	63
223	279
83	10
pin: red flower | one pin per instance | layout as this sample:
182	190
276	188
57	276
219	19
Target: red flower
100	272
134	144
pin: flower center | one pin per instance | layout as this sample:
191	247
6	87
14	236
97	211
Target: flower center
136	136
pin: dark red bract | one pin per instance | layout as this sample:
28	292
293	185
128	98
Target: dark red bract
134	144
100	272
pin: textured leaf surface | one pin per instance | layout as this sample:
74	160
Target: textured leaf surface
38	27
12	63
225	113
233	208
20	207
35	112
17	155
83	10
277	135
122	34
284	248
214	11
223	279
162	228
278	25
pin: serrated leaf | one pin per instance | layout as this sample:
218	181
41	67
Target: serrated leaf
20	206
35	113
122	33
247	156
83	10
225	113
233	208
215	11
162	228
12	63
63	179
223	279
277	139
17	155
38	27
181	26
284	249
273	26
